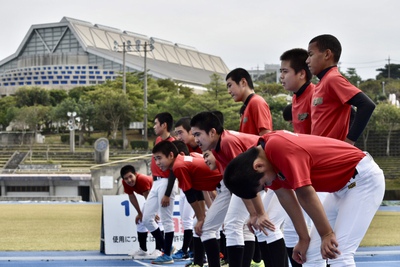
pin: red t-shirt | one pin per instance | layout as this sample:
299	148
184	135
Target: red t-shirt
155	170
301	159
301	110
193	172
231	144
256	116
330	114
197	149
143	184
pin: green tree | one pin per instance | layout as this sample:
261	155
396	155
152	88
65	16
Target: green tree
7	104
389	71
112	108
387	118
57	96
31	96
32	117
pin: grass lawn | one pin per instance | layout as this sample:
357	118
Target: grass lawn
41	227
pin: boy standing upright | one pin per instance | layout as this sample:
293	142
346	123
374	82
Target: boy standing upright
161	194
334	95
255	118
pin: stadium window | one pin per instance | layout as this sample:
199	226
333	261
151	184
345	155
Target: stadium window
38	82
35	77
72	67
97	72
29	78
111	72
21	83
91	72
91	77
66	67
66	77
77	72
108	77
5	84
83	77
59	77
83	72
45	82
75	77
74	82
44	77
99	77
55	82
63	72
28	83
51	77
64	82
82	82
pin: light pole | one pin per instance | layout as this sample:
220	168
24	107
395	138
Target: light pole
126	47
72	127
146	47
383	87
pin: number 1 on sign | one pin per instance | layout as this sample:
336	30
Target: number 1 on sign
126	204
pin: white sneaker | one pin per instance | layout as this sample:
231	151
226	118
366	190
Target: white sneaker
140	255
154	255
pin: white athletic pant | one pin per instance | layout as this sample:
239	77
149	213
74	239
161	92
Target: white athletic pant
153	206
289	233
186	211
350	212
216	213
141	228
236	230
276	214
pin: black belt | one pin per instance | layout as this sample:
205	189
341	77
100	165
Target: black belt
156	178
355	173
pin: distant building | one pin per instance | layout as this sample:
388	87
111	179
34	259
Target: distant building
74	53
268	68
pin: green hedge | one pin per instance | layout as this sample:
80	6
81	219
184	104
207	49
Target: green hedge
140	144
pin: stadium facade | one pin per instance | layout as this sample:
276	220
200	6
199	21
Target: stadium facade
74	53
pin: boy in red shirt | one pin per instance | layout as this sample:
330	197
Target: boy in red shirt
138	183
194	176
297	166
334	95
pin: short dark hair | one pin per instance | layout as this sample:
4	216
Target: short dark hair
240	177
287	113
207	120
237	74
127	168
297	58
327	41
184	122
219	115
165	147
165	117
182	147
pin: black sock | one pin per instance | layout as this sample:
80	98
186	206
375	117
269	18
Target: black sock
142	238
187	237
198	251
274	254
222	246
248	252
257	252
292	261
212	249
159	238
235	254
169	238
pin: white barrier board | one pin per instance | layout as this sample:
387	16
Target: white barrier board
118	229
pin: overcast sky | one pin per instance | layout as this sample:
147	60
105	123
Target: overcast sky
244	34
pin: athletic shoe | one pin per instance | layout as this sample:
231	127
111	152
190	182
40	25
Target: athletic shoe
164	259
139	254
155	254
180	255
256	264
193	265
224	263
